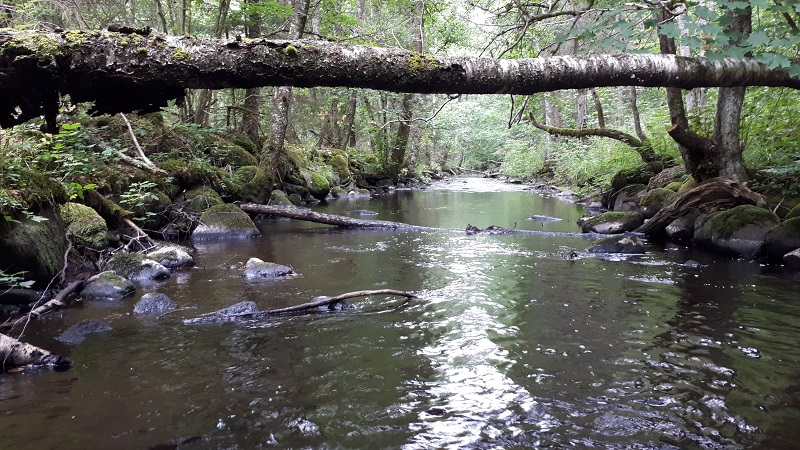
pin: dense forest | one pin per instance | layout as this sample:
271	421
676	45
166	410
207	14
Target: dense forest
563	111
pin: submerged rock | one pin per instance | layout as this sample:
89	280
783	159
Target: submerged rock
137	267
364	212
172	257
224	222
234	312
617	244
154	303
536	218
77	333
256	269
108	285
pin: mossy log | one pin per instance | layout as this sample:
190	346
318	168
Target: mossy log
14	354
329	219
712	195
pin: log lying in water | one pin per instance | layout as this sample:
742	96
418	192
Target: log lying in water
329	219
336	299
14	353
56	302
712	195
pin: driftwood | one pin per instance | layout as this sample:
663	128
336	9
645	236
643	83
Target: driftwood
56	302
330	219
712	195
14	353
219	316
336	299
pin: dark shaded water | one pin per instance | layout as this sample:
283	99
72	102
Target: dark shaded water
512	345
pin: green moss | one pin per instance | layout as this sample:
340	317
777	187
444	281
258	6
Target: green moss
338	191
794	212
180	54
418	63
84	226
192	172
319	182
226	215
725	223
246	174
234	155
290	51
674	186
278	197
125	264
201	198
687	184
141	50
657	198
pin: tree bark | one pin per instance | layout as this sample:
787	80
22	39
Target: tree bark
348	134
329	219
637	118
95	67
14	353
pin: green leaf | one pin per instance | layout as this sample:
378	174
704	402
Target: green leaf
774	60
705	13
764	4
670	30
758	38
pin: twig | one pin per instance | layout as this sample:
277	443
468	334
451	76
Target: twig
140	234
450	98
136	143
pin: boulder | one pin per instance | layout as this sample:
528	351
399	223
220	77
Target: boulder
617	244
225	221
794	212
783	238
792	259
654	200
137	267
77	333
611	222
256	269
666	177
85	227
739	230
316	183
35	247
107	285
172	256
154	303
338	191
629	193
200	199
278	197
682	228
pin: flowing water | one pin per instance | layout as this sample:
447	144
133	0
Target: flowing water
511	344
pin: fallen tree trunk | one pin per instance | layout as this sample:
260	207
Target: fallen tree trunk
329	219
121	73
14	353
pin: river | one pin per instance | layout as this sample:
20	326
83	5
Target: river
511	344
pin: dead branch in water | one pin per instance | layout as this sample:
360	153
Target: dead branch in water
332	300
56	302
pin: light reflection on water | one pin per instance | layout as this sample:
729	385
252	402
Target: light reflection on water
511	344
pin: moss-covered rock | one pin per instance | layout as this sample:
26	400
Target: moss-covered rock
278	197
189	173
654	200
254	184
137	267
34	247
109	286
737	231
149	210
296	199
233	155
783	238
636	175
338	191
256	269
794	212
85	227
172	256
627	198
682	228
316	183
226	221
674	186
611	222
200	199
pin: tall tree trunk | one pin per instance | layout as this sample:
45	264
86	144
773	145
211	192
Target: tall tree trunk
728	146
637	118
348	133
274	154
252	98
580	109
598	106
